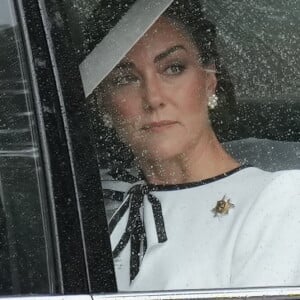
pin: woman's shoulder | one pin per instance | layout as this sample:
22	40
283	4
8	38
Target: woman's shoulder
279	178
289	174
283	183
274	209
277	189
268	241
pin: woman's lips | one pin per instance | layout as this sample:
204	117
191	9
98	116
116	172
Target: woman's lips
157	126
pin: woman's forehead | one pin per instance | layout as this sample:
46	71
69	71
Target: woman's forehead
162	35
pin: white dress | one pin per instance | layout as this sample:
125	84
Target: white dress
256	244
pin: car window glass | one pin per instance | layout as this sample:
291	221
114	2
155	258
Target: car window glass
263	70
26	266
255	73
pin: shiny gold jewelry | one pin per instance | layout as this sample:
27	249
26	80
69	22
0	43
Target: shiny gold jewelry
222	207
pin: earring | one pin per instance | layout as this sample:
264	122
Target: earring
107	120
212	101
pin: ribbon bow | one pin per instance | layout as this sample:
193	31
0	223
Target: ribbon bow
135	230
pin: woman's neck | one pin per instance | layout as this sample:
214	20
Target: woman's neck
201	162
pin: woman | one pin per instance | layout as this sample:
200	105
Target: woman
198	219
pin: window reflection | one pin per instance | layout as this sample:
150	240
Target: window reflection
183	115
24	258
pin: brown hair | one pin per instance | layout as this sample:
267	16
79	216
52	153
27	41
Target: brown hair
188	15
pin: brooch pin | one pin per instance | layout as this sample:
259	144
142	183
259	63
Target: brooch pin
222	207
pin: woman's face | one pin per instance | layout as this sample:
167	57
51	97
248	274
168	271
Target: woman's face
157	95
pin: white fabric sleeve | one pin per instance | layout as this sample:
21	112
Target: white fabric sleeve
267	249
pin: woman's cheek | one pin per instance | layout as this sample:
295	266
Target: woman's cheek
126	118
127	110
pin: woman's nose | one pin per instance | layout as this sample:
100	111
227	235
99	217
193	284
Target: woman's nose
153	96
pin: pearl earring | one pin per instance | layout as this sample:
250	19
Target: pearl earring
107	120
212	101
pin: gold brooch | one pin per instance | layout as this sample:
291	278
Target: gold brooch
222	207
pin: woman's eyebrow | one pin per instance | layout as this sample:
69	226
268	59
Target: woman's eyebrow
167	52
124	65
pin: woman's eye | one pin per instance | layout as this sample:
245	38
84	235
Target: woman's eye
175	69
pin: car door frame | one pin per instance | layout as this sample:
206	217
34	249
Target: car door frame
79	224
79	229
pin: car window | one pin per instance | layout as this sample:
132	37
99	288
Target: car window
262	70
262	67
256	119
26	262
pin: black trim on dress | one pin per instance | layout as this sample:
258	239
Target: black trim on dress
181	186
